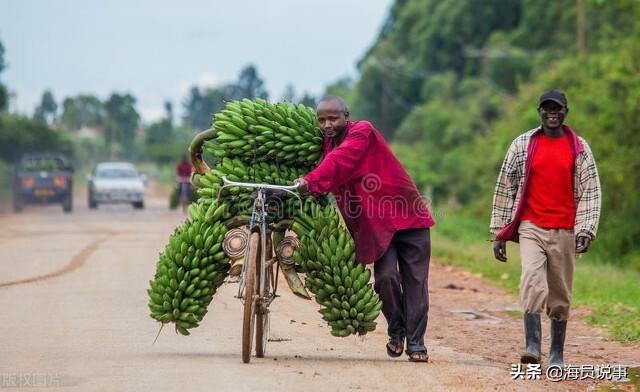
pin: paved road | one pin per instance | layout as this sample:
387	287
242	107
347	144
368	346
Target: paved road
74	315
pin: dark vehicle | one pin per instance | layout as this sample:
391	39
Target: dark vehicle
43	178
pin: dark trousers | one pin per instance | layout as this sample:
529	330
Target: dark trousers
401	280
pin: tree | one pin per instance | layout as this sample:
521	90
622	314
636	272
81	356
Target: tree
4	98
200	106
419	39
46	111
2	63
193	107
122	122
83	111
19	135
4	94
161	131
289	94
168	108
249	84
342	87
308	100
164	142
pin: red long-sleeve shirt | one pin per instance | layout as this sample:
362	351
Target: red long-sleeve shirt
375	194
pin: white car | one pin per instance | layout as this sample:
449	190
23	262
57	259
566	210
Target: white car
115	182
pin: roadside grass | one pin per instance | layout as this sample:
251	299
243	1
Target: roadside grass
161	179
5	182
5	193
80	178
610	292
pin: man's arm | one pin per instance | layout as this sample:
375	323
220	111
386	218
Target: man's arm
339	166
589	203
503	200
505	191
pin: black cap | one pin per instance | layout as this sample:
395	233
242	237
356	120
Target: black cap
555	96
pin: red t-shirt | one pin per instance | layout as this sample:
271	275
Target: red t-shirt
549	200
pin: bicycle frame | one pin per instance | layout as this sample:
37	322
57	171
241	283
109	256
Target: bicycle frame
259	222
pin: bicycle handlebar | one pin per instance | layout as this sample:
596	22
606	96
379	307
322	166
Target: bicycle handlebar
258	185
286	188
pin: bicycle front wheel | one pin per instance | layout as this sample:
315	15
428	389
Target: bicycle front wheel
250	294
262	314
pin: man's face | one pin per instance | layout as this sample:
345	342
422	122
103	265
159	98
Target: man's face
552	114
332	118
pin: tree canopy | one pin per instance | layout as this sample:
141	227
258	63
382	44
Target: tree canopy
452	82
201	104
4	94
83	111
47	109
123	121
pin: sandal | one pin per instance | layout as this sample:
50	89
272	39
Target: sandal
418	356
395	346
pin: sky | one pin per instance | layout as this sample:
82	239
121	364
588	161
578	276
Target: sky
157	50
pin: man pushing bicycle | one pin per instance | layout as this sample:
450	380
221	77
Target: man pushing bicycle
386	216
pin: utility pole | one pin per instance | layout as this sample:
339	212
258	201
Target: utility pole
580	27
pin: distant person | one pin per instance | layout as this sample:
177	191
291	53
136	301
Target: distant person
386	216
547	197
183	177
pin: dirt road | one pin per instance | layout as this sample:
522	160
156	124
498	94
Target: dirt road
74	315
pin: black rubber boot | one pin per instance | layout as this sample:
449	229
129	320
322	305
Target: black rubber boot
532	335
558	333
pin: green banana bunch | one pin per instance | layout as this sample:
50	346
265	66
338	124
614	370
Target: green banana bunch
256	130
191	268
237	170
256	141
209	185
339	283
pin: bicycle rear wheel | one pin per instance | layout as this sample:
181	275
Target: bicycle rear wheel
250	292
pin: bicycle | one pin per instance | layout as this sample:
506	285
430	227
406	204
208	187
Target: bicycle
258	281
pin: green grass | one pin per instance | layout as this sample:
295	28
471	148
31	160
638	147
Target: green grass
5	181
612	293
164	176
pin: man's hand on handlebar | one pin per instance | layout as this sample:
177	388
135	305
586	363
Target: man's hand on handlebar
303	185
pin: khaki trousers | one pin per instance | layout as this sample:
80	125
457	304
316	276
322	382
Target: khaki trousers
548	257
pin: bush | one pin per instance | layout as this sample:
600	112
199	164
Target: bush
19	135
5	180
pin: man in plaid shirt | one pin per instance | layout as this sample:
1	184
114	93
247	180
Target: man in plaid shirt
547	198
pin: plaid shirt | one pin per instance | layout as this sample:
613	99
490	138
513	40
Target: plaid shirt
508	192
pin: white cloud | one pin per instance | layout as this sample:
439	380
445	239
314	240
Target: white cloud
204	80
207	79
